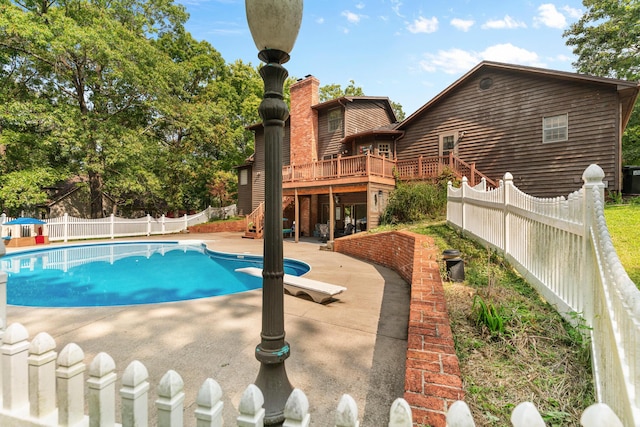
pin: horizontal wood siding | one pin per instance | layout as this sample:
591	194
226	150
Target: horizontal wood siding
245	192
362	115
258	171
503	130
286	145
258	174
328	142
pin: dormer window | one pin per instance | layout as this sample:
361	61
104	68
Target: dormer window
335	119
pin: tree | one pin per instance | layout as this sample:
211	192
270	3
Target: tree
97	63
606	40
334	91
399	112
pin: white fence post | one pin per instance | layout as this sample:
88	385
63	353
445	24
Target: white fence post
186	222
112	226
134	395
296	410
400	413
170	402
163	224
3	303
148	225
250	408
42	376
598	415
592	178
101	384
526	415
65	227
69	385
15	371
347	413
209	401
507	185
459	415
463	215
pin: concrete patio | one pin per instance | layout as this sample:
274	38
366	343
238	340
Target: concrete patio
356	344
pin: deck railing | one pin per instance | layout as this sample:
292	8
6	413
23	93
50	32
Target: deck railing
43	388
340	167
374	165
433	167
563	248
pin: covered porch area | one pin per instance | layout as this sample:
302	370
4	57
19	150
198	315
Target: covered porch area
331	208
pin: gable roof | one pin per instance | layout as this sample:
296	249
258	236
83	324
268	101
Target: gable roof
342	101
628	90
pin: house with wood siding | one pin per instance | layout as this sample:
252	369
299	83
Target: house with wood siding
342	157
543	126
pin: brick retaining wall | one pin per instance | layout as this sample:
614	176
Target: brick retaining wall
219	226
432	375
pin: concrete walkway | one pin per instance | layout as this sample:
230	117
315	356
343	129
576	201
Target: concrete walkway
355	345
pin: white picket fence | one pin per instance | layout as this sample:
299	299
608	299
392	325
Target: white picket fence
42	388
67	228
563	248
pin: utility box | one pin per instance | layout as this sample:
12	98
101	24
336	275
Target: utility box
454	265
631	180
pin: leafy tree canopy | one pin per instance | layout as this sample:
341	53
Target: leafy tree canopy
607	42
120	93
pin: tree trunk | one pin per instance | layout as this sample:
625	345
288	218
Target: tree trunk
95	191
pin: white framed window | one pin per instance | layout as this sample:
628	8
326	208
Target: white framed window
335	119
555	128
448	144
384	148
244	176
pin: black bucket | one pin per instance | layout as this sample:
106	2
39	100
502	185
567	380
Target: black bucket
454	265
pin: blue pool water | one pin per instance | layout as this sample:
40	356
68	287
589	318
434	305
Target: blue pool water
128	274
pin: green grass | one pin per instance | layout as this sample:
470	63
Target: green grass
623	222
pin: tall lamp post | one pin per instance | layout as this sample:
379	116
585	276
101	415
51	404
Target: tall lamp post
274	25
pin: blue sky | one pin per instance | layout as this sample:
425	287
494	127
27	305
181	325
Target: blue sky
408	50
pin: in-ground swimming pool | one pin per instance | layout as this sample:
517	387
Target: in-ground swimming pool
128	274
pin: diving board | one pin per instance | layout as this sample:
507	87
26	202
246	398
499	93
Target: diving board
319	291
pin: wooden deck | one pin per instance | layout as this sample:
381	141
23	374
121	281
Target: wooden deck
369	167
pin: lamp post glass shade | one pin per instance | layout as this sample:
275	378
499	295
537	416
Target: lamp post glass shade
274	24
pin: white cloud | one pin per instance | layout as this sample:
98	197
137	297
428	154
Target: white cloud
506	23
424	25
395	6
458	61
572	12
452	61
320	20
360	5
462	24
549	16
353	18
511	54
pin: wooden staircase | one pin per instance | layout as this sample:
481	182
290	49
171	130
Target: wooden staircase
254	226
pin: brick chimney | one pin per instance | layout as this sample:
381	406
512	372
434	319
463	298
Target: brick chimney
304	120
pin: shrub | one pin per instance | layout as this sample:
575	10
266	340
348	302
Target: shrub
417	201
